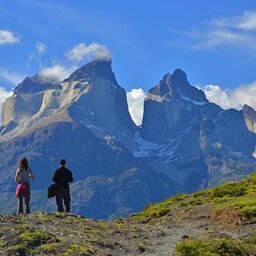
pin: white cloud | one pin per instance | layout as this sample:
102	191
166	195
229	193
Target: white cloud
57	73
246	22
3	95
82	51
236	98
221	97
8	37
11	77
220	37
230	31
135	99
41	47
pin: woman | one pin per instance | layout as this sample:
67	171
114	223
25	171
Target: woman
23	174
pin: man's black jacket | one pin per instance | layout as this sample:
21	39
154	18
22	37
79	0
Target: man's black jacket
62	176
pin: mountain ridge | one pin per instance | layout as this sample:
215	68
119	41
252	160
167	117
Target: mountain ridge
184	143
87	122
200	137
97	68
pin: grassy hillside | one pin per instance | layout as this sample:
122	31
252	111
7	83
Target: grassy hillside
231	203
231	206
217	221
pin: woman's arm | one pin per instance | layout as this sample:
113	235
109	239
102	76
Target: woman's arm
31	175
17	177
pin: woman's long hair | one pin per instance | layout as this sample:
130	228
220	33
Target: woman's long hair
23	164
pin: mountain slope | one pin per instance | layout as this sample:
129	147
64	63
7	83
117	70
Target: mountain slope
84	119
90	96
193	141
250	117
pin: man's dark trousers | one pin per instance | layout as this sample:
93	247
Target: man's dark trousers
63	194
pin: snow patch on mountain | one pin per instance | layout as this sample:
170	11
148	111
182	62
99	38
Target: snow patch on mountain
144	147
90	126
193	101
147	148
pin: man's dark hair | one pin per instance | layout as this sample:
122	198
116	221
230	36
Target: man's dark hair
62	162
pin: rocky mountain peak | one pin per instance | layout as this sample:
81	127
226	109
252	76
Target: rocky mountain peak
249	115
179	78
101	103
163	87
249	112
94	69
178	87
91	96
34	84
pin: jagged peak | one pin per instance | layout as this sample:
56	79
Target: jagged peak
94	69
179	75
163	87
167	76
248	108
249	113
34	84
171	83
177	86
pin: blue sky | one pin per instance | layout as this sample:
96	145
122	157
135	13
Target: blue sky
214	42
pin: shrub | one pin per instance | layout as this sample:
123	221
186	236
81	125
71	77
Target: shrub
216	247
231	189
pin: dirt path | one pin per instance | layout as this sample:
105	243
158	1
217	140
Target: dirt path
162	240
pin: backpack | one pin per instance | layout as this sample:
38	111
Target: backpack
51	191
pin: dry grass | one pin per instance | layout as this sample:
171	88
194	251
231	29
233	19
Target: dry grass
227	216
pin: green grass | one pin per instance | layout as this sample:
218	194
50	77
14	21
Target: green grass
50	248
238	196
19	249
75	249
36	237
216	247
160	209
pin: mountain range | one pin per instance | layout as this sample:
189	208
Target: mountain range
185	142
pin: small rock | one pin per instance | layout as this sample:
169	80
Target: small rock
185	237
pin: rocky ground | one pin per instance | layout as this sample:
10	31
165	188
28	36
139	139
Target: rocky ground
59	234
219	221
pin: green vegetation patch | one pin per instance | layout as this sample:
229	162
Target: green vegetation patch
50	248
236	210
19	249
79	249
238	198
230	189
159	209
36	237
216	247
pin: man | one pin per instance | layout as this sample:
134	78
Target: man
62	176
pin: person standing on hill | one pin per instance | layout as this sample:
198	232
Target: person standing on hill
62	176
23	174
